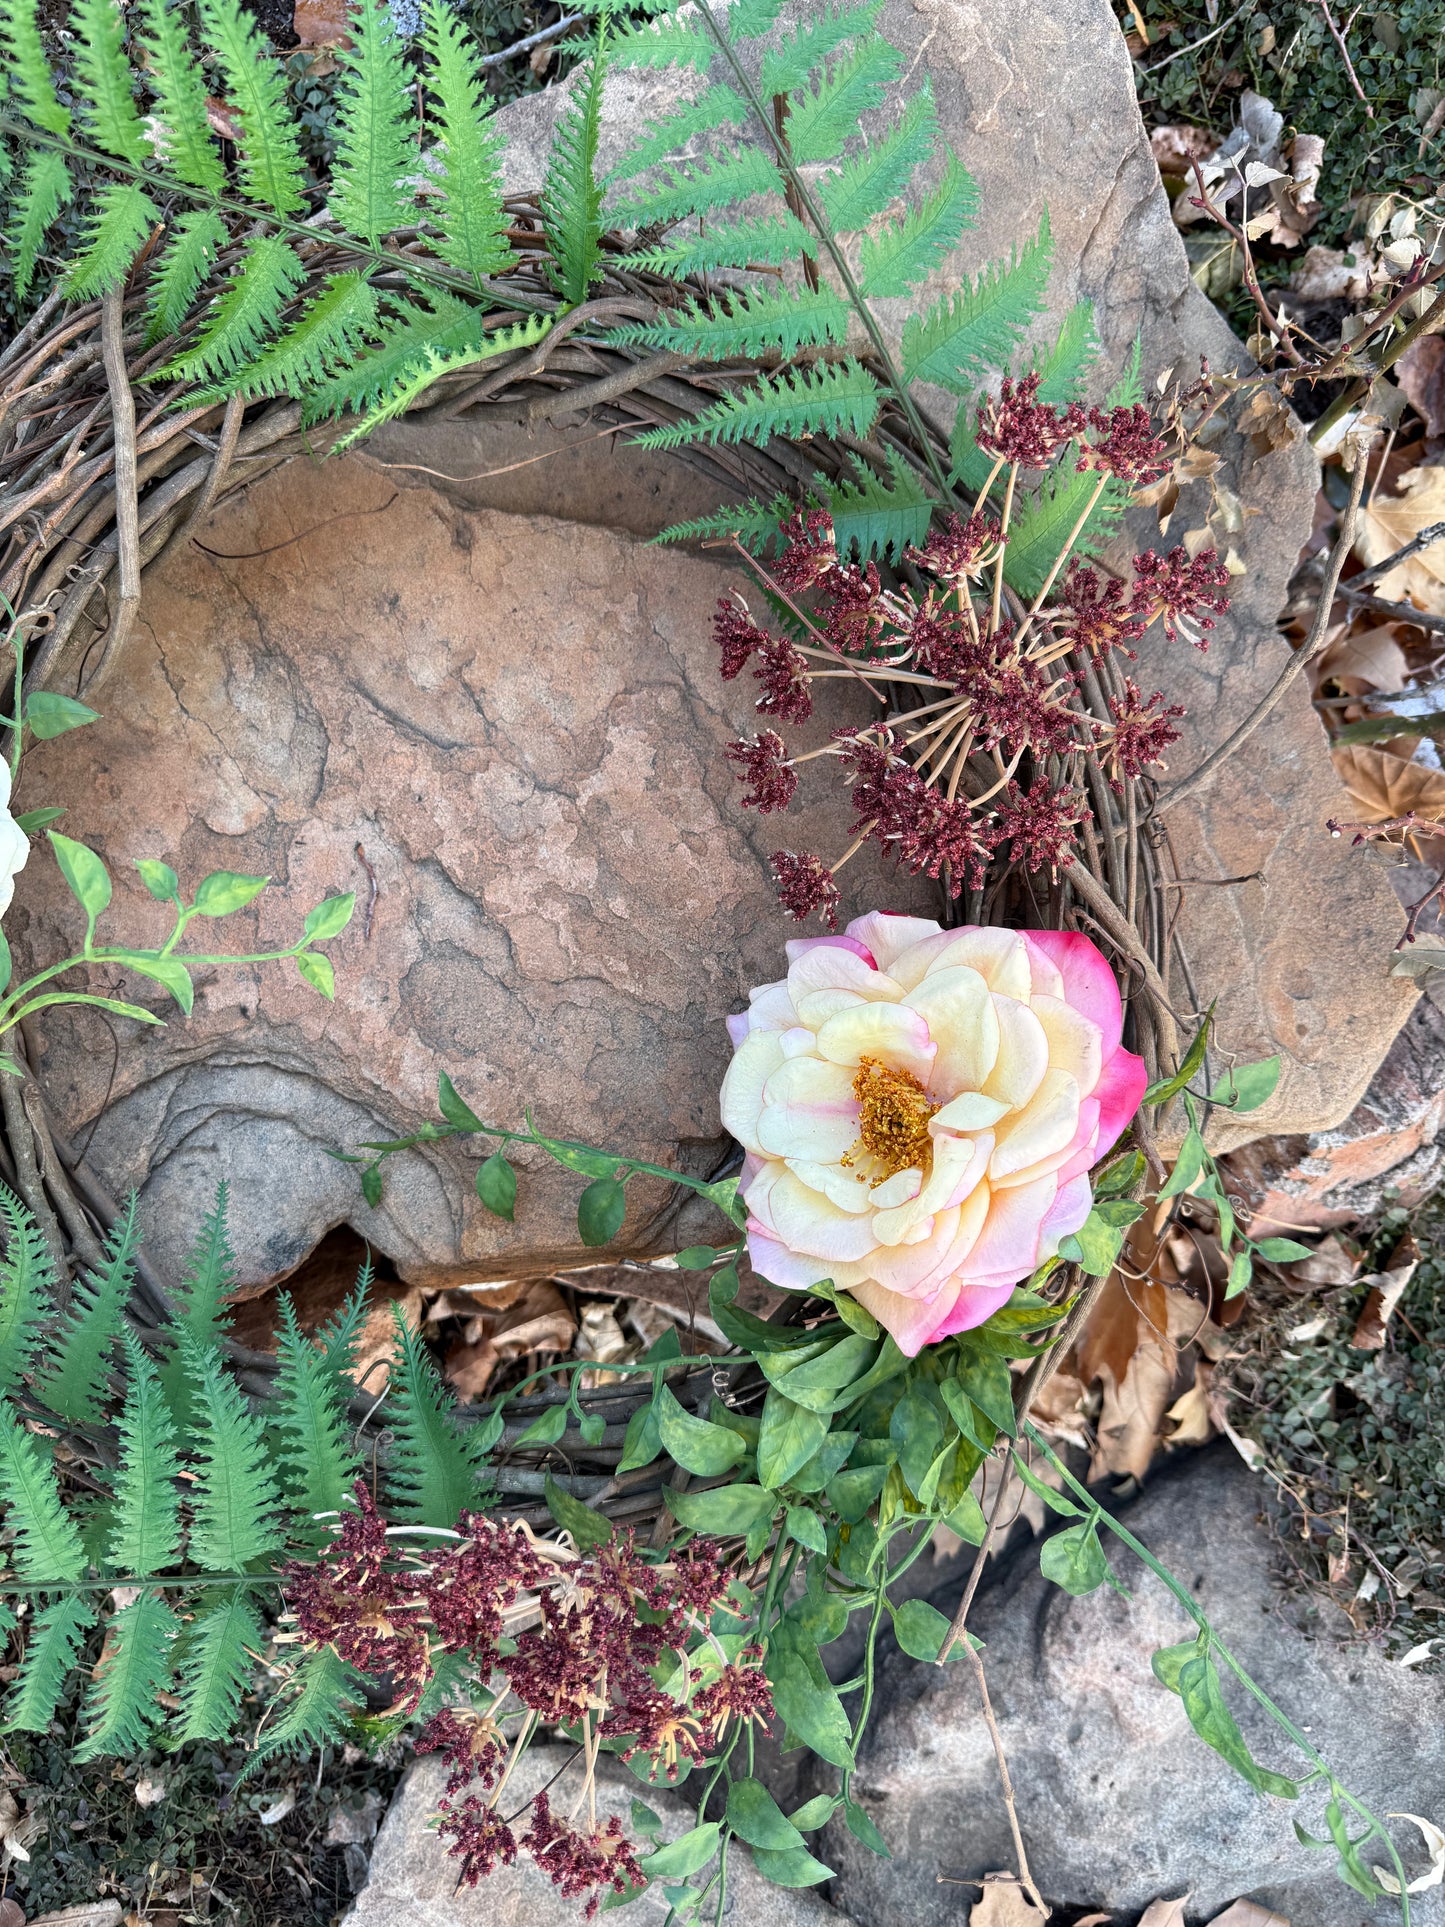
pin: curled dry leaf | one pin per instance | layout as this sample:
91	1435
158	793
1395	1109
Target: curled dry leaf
12	1914
1003	1903
1188	1417
1420	371
1164	1913
1177	147
1325	275
1361	660
1387	1288
1388	522
149	1790
1248	1913
1434	1874
1383	786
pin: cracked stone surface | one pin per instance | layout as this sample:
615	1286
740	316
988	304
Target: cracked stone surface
518	721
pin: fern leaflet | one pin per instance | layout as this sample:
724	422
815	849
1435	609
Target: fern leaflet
907	251
30	74
146	1533
213	1665
324	1688
338	1339
47	1541
788	68
980	326
247	311
135	1665
327	336
45	190
369	192
268	155
432	1478
755	523
195	241
769	240
879	517
103	82
714	109
1045	519
52	1647
446	326
666	43
420	376
572	198
820	120
235	1497
72	1384
749	18
119	220
835	398
1063	370
867	182
200	1306
183	136
700	189
318	1462
27	1287
472	223
750	322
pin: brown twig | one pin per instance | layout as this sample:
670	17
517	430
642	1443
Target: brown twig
1338	35
1375	605
1026	1880
127	508
1240	236
1199	778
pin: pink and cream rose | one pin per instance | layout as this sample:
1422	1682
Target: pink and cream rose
920	1110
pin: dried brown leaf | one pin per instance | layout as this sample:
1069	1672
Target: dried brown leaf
1420	371
1388	522
12	1914
1386	1290
1003	1903
1164	1913
1177	147
1362	660
1382	786
469	1368
1189	1414
1248	1913
322	23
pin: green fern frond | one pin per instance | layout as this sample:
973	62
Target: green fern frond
715	108
323	1691
146	1532
318	1462
118	221
788	67
1042	523
183	135
471	221
748	18
879	517
213	1665
236	1504
247	311
754	522
446	325
73	1383
770	240
834	398
47	1544
374	151
870	180
1063	370
701	188
571	199
29	70
27	1290
268	154
980	326
45	190
750	322
52	1647
1128	390
421	375
337	1340
202	1310
326	337
102	77
196	239
906	252
666	43
432	1478
121	1708
821	119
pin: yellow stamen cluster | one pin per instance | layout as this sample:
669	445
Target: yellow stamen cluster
893	1114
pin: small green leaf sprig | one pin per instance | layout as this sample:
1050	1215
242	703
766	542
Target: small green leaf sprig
220	894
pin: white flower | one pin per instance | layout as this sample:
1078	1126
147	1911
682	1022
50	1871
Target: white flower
14	843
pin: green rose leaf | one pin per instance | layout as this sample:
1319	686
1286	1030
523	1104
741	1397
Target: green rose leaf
1282	1251
587	1527
1187	1166
697	1445
318	972
600	1211
371	1185
497	1186
330	917
1094	1247
159	878
546	1428
641	1443
460	1116
755	1816
862	1828
807	1528
1241	1270
1168	1087
794	1868
1055	1501
84	873
816	1812
593	1428
32	820
921	1629
826	1382
169	971
744	1328
729	1510
1116	1180
851	1493
1248	1086
967	1520
989	1383
696	1258
683	1856
224	892
1199	1688
788	1438
804	1697
48	714
1074	1559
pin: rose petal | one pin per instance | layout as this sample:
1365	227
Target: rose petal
741	1099
799	1042
911	1321
1008	1245
824	967
837	1184
1076	1044
800	946
804	1220
1000	957
970	1111
958	1164
1046	1124
1023	1054
1079	1154
1069	1210
808	1110
964	1026
974	1304
787	1269
894	1035
1089	983
738	1027
901	1188
1120	1090
887	936
815	1007
771	1008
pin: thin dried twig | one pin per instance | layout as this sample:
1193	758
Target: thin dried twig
1026	1879
127	508
1338	36
1314	642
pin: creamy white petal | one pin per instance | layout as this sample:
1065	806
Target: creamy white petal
959	1011
969	1111
896	1036
1023	1054
771	1008
804	1220
796	1131
741	1099
887	936
815	1007
1075	1045
899	1189
1046	1124
830	967
799	1042
813	1082
1001	958
838	1183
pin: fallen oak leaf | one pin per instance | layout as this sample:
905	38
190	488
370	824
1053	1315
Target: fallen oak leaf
1388	522
1164	1913
1384	786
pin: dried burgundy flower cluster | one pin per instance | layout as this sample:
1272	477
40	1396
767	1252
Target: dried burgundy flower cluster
570	1641
986	758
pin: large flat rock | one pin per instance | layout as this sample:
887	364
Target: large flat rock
1039	104
517	723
